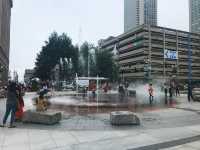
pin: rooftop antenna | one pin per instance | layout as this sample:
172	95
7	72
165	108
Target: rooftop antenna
79	37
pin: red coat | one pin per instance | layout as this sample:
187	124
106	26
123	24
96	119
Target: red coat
20	111
151	91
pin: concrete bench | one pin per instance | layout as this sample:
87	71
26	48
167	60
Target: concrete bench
196	94
124	118
47	117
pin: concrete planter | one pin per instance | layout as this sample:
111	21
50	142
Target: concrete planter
196	94
47	117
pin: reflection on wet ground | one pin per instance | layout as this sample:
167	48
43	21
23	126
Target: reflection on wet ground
79	105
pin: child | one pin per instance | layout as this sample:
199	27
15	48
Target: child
41	104
150	94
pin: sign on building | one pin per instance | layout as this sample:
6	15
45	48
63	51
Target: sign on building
82	83
170	54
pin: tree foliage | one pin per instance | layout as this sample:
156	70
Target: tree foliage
59	48
106	66
56	48
101	62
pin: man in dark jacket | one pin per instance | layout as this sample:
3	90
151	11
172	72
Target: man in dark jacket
190	95
121	92
11	104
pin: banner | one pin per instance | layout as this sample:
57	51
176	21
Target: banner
169	54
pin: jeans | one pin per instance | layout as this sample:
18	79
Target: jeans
150	99
10	108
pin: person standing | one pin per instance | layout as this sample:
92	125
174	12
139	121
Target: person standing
94	88
150	93
11	104
105	87
84	92
126	85
177	90
190	96
170	93
20	111
166	91
121	92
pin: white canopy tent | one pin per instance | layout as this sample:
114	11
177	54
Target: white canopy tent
84	81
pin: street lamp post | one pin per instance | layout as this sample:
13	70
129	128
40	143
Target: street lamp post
88	63
1	72
189	68
116	53
66	66
147	70
92	51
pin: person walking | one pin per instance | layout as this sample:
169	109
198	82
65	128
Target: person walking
150	94
11	104
177	90
170	93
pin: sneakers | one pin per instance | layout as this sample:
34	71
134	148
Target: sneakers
2	125
12	126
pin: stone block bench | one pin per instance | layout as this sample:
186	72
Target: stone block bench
124	118
47	118
196	94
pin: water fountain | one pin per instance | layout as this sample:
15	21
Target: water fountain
108	102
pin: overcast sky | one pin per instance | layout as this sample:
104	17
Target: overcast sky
34	20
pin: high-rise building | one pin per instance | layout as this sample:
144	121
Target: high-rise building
138	12
194	8
5	14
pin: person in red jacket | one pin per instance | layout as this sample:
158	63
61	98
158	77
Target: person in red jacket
151	93
20	108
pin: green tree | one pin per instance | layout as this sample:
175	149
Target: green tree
55	49
101	62
106	66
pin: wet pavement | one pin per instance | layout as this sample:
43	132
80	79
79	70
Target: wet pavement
92	118
106	103
93	131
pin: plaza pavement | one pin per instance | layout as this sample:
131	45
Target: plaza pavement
176	128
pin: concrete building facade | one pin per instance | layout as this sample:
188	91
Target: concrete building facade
5	15
139	12
194	13
146	45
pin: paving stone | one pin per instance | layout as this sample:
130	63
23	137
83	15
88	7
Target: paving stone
18	137
16	147
116	143
41	140
63	138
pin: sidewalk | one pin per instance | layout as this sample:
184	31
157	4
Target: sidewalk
41	139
